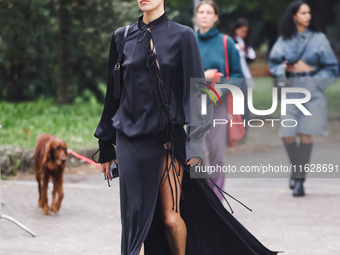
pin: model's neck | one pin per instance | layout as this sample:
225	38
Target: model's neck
203	30
300	28
152	15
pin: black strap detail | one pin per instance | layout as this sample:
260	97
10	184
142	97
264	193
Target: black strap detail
300	74
120	54
116	70
303	49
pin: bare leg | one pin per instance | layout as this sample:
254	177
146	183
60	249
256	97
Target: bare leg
175	227
289	139
307	139
142	250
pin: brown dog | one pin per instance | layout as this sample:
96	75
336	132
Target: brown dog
50	158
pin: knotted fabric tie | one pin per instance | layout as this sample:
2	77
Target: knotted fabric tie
164	108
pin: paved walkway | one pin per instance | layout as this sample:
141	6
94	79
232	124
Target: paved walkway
89	220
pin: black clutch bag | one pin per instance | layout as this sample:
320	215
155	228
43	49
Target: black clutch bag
113	172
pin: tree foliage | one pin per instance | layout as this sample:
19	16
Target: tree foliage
46	44
30	44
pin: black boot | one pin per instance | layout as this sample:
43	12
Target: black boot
292	182
291	149
303	158
299	191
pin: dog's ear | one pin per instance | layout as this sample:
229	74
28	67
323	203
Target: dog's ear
48	152
64	147
52	150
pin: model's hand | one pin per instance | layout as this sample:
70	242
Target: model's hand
219	92
106	168
299	66
194	161
289	68
210	73
240	47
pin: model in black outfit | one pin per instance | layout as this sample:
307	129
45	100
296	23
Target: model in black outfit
160	205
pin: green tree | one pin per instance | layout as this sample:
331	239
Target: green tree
57	47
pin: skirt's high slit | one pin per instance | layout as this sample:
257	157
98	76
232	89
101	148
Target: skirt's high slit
211	229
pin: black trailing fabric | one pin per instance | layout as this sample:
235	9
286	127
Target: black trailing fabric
211	228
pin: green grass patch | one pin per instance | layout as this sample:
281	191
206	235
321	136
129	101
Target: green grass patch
75	124
333	97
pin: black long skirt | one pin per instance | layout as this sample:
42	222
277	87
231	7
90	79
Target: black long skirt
211	229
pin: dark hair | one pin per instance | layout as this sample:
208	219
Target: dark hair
242	22
164	4
287	24
211	3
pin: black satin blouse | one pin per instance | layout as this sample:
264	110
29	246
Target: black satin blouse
151	91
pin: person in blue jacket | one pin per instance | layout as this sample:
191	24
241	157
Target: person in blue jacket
210	43
304	55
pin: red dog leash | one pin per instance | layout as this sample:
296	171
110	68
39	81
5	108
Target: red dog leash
90	161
